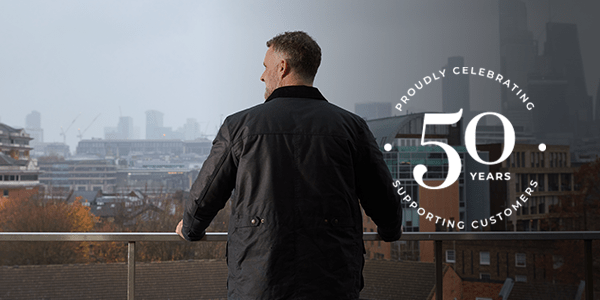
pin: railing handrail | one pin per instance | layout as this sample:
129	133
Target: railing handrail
222	236
438	237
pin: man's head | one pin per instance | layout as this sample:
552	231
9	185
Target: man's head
292	59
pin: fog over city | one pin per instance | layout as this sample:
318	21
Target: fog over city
203	59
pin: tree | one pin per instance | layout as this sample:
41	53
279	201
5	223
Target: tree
160	214
35	214
579	211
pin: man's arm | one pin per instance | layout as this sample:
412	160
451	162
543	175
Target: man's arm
374	188
212	188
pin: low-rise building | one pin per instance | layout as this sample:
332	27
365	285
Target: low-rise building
79	175
122	148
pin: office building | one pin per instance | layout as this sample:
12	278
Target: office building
561	50
111	133
455	89
154	123
79	175
33	120
33	126
551	170
517	59
494	134
597	115
122	148
125	129
191	129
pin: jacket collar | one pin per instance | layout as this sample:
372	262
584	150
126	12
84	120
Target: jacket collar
296	91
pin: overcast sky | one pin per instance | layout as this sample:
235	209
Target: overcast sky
203	59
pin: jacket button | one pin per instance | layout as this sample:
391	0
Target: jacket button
253	221
335	221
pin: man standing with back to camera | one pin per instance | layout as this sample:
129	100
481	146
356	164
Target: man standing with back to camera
299	166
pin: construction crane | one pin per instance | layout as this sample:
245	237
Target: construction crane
64	132
80	134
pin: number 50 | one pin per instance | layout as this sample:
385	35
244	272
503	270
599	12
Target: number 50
454	163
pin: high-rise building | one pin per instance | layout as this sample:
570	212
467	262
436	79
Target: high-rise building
33	120
136	133
551	119
154	124
562	51
597	116
455	89
567	114
373	110
33	126
110	133
191	129
125	128
517	59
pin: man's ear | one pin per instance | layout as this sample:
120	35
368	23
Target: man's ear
284	68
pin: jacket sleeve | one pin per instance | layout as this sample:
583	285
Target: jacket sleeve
212	188
375	190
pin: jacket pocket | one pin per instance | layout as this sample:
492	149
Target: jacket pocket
242	221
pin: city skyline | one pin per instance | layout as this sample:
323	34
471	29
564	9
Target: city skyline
134	56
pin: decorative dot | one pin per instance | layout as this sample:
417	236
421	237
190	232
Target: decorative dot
387	147
542	147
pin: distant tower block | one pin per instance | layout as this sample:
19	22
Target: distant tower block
455	88
33	126
154	124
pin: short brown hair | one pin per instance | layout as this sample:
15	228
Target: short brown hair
301	51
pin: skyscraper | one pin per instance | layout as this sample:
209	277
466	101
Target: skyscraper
33	120
33	126
566	110
125	128
154	124
455	89
597	116
564	56
191	129
550	119
517	58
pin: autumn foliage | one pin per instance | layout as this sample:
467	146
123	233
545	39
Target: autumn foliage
37	214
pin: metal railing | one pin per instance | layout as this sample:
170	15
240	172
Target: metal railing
437	237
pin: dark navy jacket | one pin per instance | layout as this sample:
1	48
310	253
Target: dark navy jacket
300	166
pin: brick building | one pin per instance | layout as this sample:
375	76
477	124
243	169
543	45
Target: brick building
551	169
494	261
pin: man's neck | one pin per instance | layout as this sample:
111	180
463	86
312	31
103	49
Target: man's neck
292	80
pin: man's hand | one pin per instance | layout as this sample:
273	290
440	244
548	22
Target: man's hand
179	228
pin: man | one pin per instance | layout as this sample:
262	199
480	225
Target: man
299	166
